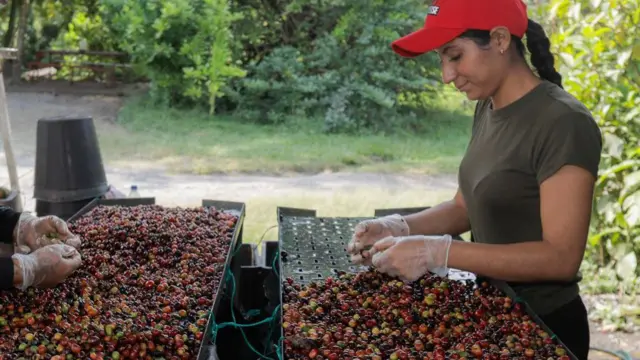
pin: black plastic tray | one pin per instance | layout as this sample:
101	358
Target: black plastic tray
111	202
207	350
306	260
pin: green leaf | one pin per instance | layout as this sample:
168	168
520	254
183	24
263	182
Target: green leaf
606	205
636	52
568	59
623	166
631	208
613	145
618	250
632	115
631	183
623	57
626	267
595	239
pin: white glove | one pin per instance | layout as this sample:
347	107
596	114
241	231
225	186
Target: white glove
33	232
410	257
368	232
47	266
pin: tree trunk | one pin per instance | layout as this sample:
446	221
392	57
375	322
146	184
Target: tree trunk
13	13
22	29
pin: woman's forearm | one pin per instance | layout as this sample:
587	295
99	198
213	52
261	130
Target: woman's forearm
520	262
450	217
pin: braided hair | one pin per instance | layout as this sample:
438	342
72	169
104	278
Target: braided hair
538	45
539	48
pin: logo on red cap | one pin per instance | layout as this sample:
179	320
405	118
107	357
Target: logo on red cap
434	8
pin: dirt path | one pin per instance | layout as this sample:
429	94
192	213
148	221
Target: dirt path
26	108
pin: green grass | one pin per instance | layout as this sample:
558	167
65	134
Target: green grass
262	210
193	142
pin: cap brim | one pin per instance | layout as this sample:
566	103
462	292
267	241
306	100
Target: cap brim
424	41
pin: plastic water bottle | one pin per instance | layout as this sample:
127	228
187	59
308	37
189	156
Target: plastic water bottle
134	192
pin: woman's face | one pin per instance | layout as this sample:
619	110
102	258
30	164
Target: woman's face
474	70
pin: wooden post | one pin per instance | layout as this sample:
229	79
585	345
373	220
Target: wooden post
5	129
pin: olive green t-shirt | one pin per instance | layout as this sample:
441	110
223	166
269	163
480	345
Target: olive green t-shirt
511	152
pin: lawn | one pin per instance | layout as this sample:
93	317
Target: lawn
190	141
261	210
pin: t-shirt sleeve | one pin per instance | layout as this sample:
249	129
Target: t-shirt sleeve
572	139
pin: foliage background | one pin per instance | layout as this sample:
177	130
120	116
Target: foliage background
598	44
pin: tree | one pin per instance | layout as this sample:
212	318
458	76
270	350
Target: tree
598	45
181	46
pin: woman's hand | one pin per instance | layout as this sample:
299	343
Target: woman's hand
368	232
47	266
410	257
33	233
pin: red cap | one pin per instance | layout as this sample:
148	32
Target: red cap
448	19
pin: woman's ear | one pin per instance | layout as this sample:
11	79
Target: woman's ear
500	39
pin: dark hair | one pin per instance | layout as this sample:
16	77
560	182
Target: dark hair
537	43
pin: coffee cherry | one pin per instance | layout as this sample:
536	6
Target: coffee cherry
373	316
144	290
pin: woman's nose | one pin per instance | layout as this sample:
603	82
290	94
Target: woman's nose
448	74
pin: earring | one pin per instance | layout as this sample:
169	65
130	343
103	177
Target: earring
502	51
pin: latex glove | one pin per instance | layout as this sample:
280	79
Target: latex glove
33	232
47	266
410	257
368	232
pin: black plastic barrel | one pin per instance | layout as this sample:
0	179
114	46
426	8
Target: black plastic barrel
69	172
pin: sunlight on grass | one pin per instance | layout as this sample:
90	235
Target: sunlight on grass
261	211
191	141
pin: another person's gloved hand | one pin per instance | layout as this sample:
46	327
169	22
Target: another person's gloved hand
368	232
410	257
33	232
47	266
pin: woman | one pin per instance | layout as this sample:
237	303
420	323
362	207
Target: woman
45	250
526	181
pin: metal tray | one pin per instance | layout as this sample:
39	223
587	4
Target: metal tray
207	350
312	248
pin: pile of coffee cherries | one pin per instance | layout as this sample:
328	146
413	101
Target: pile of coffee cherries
373	316
144	290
